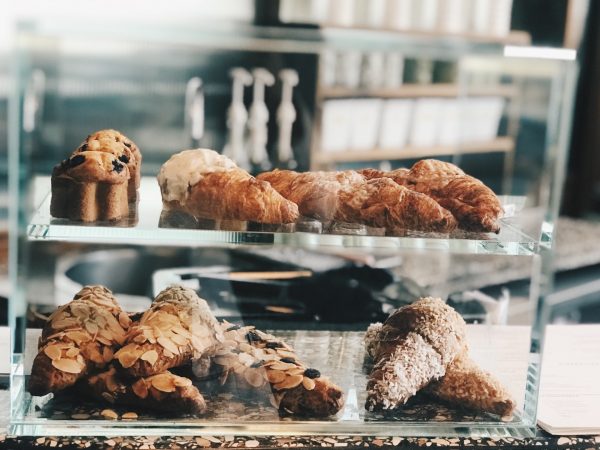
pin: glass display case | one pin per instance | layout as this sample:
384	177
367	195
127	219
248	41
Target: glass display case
293	300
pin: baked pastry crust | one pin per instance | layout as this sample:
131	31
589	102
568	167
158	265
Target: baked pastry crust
163	392
90	187
178	327
473	204
349	197
80	337
208	185
412	348
258	360
123	149
423	346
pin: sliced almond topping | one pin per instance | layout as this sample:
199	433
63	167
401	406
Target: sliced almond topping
308	383
94	355
127	356
103	340
151	356
254	377
53	352
296	371
168	344
226	360
107	354
289	382
163	382
124	320
178	339
181	331
92	328
240	368
278	365
140	388
275	376
72	352
129	416
65	323
245	347
246	359
67	365
182	381
79	337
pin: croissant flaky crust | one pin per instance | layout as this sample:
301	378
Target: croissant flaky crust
80	337
473	204
178	326
208	185
423	346
258	360
163	392
348	196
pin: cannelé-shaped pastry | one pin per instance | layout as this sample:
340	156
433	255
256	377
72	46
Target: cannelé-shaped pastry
90	186
122	148
423	346
473	204
177	328
257	360
164	391
79	338
348	196
207	185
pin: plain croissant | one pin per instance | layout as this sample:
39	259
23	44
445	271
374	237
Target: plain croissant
347	196
423	345
473	204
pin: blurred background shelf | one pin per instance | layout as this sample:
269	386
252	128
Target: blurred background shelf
500	145
411	90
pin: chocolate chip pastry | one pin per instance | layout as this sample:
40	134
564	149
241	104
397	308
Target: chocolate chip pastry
79	338
98	180
177	328
164	391
122	148
424	346
256	360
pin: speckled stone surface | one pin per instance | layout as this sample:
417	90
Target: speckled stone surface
541	441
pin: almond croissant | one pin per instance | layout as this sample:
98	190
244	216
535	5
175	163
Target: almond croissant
473	204
259	360
348	197
208	185
178	326
80	337
163	392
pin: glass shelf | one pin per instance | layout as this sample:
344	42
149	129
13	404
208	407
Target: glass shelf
147	226
502	350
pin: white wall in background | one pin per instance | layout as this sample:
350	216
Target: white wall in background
96	11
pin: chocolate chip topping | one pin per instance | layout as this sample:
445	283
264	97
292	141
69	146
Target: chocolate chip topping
257	364
117	166
233	328
127	144
76	160
83	147
124	159
312	373
251	336
288	360
273	345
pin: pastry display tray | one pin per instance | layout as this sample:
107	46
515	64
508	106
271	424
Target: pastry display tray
149	225
503	350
